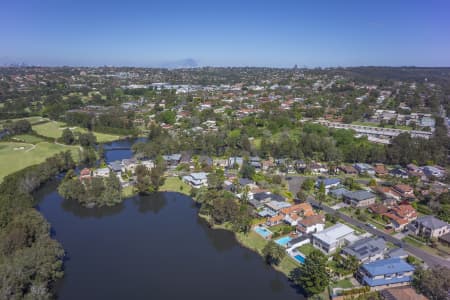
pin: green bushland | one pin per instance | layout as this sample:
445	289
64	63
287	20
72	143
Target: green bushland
30	260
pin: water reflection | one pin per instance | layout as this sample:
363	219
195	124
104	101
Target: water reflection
154	202
80	211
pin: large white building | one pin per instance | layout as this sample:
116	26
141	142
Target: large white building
333	237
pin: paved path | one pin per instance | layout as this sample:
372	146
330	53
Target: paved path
429	259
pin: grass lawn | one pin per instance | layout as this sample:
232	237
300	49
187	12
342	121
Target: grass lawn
51	129
127	191
256	243
306	249
28	138
175	184
344	283
26	155
54	129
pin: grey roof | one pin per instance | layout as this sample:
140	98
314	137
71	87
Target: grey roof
359	195
431	222
397	252
299	239
116	166
339	192
365	248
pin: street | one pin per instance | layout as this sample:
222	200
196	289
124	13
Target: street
429	259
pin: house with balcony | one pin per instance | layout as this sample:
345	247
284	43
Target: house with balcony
196	180
430	227
381	274
311	224
330	239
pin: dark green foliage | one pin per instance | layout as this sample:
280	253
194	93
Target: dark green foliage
434	283
67	137
273	253
29	259
18	127
312	276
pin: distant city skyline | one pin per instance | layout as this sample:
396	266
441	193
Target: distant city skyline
225	33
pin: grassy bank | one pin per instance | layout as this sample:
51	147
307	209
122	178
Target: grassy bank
175	184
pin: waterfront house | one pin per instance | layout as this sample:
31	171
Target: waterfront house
102	172
149	164
115	166
299	241
294	213
430	227
359	198
85	174
366	250
332	238
196	180
390	272
129	165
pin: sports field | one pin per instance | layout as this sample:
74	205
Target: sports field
16	156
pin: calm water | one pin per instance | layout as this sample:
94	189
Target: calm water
153	247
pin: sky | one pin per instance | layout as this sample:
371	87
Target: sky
226	33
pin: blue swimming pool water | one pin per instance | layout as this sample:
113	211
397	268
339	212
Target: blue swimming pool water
264	232
283	241
300	259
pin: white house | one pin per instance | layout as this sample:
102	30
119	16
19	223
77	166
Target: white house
149	164
311	224
332	238
196	179
102	172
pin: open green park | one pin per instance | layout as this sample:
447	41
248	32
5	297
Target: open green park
15	156
54	129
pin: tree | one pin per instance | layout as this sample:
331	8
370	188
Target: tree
273	253
247	170
308	184
434	282
312	276
143	182
67	137
112	193
87	139
156	175
215	179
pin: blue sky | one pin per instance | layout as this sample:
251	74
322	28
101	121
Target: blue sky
226	33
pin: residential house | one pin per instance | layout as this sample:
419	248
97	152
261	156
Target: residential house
275	220
115	166
255	162
276	206
267	165
317	168
430	227
196	180
300	166
432	171
328	183
349	170
235	161
338	193
378	209
399	172
299	241
390	272
332	238
405	191
85	174
401	293
149	164
363	168
294	213
380	170
397	252
102	172
311	224
129	165
172	160
359	198
222	163
205	161
258	199
366	250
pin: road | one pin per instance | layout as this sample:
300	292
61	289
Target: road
429	259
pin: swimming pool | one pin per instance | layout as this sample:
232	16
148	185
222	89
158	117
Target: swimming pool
264	232
283	241
299	258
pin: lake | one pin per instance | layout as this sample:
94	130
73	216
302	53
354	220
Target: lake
153	247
